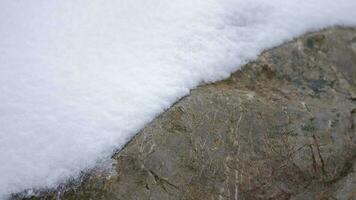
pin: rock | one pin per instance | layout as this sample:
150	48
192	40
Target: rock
283	127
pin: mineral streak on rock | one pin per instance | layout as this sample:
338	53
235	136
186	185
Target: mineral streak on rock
283	127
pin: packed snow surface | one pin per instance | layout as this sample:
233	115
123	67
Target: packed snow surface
79	78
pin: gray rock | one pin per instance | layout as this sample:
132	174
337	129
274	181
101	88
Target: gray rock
283	127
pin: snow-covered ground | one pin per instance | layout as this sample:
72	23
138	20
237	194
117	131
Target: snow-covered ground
78	78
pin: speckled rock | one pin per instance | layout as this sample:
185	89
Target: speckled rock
283	127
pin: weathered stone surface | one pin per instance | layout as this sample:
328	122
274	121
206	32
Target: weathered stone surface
284	127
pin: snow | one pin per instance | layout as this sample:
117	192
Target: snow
79	78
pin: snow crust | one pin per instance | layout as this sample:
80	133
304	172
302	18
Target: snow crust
79	78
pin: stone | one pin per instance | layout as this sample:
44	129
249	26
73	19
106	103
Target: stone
282	127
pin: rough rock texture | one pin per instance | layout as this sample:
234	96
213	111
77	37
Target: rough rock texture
284	127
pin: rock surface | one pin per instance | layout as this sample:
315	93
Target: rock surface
283	127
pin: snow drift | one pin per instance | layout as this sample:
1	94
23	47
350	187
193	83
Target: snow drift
79	78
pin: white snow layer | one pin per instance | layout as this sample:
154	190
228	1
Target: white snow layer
79	78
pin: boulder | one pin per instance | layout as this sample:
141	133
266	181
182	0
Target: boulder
282	127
